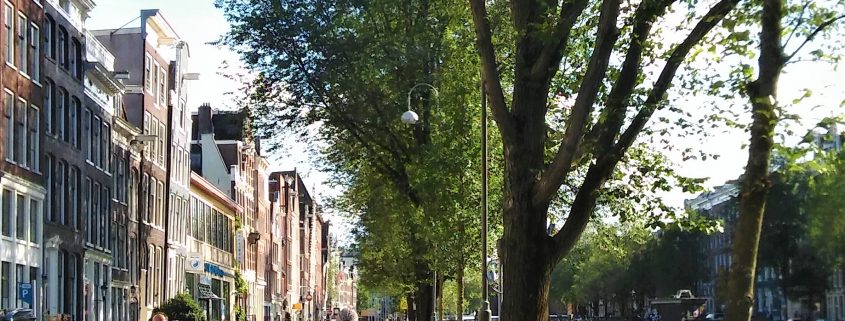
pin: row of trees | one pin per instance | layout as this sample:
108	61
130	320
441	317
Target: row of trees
572	87
622	264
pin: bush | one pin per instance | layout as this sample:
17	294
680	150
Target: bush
182	307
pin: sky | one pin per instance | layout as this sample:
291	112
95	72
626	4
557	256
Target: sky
199	22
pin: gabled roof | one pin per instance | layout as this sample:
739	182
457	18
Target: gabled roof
158	24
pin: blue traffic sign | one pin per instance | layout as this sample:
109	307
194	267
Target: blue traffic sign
25	292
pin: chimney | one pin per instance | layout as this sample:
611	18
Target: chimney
204	125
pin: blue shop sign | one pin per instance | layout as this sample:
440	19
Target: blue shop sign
214	270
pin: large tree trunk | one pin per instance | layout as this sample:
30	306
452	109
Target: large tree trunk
755	182
526	267
423	298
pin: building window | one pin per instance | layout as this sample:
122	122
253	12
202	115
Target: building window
34	52
8	111
105	150
9	20
162	136
49	35
105	215
95	140
59	197
22	45
70	294
61	114
34	143
76	68
133	195
20	132
20	225
73	127
5	283
72	56
162	87
97	216
7	213
86	134
151	202
158	275
73	197
148	72
48	183
49	94
86	206
61	48
159	219
155	89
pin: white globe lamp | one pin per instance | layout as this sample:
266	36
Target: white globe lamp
410	117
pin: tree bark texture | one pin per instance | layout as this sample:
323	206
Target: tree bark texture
755	182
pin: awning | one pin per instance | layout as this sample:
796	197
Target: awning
205	293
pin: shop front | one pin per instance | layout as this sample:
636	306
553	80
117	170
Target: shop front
212	288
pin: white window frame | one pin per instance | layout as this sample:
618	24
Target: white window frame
155	81
21	142
21	35
148	64
35	150
35	44
9	25
9	151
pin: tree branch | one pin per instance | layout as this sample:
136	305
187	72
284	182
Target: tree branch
580	212
610	124
555	174
813	34
548	63
584	203
798	22
490	75
704	25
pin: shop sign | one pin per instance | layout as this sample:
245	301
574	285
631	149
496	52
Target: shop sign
214	270
239	247
195	262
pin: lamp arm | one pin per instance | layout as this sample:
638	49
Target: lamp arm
436	93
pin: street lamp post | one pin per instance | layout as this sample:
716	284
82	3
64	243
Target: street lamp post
484	312
411	118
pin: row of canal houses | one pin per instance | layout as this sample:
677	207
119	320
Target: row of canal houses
115	197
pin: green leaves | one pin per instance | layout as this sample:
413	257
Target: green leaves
182	307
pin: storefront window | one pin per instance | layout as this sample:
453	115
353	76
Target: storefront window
216	304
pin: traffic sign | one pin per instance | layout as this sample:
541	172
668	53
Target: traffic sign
25	292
